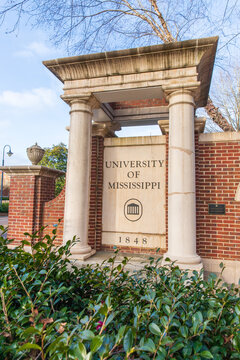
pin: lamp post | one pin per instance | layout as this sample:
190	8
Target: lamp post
10	153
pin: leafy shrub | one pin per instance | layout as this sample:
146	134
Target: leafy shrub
56	157
4	207
52	309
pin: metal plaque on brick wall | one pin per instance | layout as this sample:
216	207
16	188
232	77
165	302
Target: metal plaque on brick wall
216	209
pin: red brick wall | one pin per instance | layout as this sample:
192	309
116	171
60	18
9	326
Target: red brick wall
21	202
54	210
44	192
96	191
167	145
27	196
218	176
32	202
138	103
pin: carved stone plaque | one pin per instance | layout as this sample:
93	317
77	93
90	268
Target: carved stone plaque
134	194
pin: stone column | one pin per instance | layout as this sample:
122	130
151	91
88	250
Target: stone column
76	213
181	182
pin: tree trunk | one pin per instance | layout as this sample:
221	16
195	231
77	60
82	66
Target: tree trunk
215	114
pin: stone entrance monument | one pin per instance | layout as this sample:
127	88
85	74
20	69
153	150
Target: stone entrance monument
136	212
178	192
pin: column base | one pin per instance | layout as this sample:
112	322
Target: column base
77	256
185	263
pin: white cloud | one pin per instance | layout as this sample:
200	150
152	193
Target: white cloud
28	99
38	48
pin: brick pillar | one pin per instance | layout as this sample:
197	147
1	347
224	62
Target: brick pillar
164	127
100	130
199	128
96	193
30	188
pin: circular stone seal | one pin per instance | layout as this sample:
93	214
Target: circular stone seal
133	210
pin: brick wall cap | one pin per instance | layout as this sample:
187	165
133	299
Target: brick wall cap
219	137
33	170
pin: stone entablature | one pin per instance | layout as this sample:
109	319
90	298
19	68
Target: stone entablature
150	69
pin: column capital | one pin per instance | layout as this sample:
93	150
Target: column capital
190	88
105	129
78	101
181	97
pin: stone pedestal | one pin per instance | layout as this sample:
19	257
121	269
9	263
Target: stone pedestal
76	214
181	182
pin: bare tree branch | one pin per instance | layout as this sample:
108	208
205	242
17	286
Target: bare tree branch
93	25
217	117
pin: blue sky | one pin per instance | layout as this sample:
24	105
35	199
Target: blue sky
30	106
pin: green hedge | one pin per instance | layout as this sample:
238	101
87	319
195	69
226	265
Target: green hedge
52	309
4	207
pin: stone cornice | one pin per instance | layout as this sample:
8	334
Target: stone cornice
180	54
188	62
33	170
